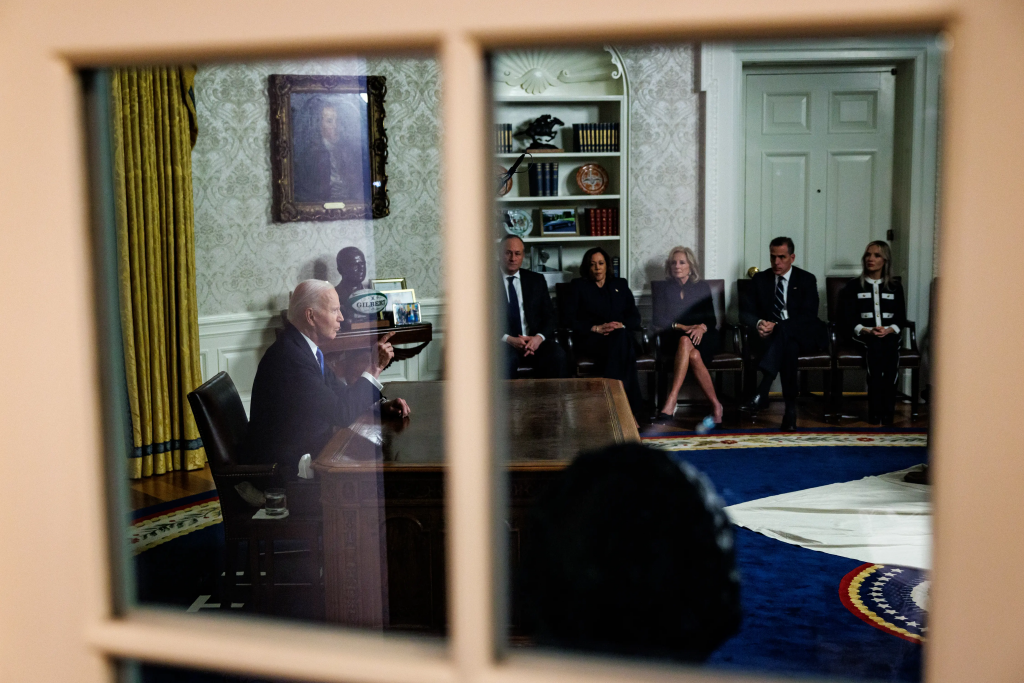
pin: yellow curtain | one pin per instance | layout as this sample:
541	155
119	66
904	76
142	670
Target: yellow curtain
154	130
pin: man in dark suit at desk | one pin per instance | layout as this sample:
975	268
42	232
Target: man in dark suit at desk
298	402
529	316
782	305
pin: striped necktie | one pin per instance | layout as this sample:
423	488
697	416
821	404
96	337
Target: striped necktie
320	359
780	300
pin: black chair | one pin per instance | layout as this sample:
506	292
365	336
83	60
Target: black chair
810	362
849	355
222	425
729	359
582	366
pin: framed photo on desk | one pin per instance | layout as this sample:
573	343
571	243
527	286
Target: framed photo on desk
399	296
388	284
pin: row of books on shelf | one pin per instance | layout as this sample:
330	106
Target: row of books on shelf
595	137
602	222
543	179
586	137
503	138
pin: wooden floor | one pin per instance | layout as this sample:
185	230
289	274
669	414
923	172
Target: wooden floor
163	488
809	416
167	487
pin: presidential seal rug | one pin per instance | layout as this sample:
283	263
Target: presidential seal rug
794	621
891	598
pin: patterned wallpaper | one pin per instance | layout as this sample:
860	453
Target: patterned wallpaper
664	145
244	261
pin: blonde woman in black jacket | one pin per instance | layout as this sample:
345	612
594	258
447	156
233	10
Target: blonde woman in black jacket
873	312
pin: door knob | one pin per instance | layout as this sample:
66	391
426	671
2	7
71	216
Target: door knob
752	271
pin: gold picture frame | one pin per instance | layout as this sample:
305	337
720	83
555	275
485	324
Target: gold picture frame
313	121
388	284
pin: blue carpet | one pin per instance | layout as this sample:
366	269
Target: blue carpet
793	619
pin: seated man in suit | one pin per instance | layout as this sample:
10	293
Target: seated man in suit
298	402
782	304
530	318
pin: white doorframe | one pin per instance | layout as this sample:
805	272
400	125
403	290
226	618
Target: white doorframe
721	81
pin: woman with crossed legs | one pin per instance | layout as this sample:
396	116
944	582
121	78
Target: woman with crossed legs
684	316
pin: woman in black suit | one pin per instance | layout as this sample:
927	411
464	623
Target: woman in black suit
684	316
603	315
873	312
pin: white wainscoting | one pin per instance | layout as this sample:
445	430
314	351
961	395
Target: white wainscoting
235	343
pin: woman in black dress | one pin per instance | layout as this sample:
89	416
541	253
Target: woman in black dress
873	311
684	316
603	315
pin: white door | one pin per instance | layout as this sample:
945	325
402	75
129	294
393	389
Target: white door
819	150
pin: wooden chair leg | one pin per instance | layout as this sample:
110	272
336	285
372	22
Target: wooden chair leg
837	394
915	392
230	580
269	557
255	580
826	395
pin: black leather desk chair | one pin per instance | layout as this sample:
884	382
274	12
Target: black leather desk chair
220	417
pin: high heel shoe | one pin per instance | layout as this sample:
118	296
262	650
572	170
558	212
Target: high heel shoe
663	419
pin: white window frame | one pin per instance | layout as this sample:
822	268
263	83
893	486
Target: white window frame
55	598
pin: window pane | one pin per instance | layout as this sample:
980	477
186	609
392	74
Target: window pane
714	339
274	238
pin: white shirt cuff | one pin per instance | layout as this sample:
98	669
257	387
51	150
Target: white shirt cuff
373	381
857	329
504	339
541	337
895	328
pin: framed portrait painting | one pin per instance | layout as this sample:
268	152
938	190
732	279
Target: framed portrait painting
328	148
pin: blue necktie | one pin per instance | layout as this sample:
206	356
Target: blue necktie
780	301
515	323
320	359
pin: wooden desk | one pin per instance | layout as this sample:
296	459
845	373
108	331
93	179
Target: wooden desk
386	483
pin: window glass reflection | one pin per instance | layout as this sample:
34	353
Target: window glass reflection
279	333
722	234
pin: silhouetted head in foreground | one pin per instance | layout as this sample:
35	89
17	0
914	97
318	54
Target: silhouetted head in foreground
631	554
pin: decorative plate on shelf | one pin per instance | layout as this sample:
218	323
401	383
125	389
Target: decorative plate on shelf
592	178
522	223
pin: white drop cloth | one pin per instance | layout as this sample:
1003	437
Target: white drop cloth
882	519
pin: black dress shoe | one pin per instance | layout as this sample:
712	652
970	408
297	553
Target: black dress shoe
754	406
788	422
874	419
663	419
